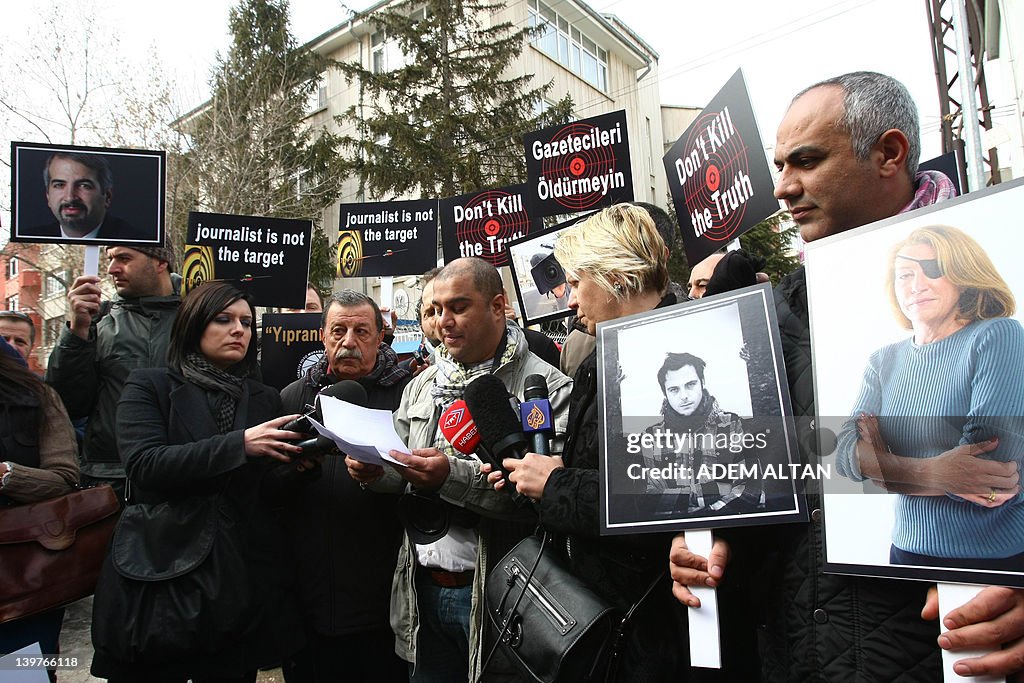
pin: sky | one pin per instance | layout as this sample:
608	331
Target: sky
781	46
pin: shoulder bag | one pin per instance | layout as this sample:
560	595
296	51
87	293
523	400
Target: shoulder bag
51	551
550	624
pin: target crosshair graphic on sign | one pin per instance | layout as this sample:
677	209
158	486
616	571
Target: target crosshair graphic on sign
505	226
350	253
724	163
587	163
198	267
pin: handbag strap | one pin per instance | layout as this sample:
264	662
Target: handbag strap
620	630
507	621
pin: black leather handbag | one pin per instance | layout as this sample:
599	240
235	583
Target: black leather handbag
550	624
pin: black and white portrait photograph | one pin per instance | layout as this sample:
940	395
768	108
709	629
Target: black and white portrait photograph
87	195
919	354
540	282
697	427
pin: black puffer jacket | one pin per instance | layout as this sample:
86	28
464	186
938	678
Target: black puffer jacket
344	539
817	626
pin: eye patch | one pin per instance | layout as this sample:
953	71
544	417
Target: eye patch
929	266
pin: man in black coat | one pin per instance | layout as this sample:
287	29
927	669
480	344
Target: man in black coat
847	153
345	540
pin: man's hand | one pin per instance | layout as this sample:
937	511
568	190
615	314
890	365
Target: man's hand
363	472
85	296
425	468
530	474
689	569
993	620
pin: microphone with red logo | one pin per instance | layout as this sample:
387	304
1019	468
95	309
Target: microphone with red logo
458	427
535	414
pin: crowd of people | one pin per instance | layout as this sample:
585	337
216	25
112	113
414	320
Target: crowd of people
327	566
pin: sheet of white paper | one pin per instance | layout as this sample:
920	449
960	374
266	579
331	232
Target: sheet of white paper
10	672
951	596
363	433
92	260
387	291
705	644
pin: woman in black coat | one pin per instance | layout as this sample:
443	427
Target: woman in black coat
616	265
197	584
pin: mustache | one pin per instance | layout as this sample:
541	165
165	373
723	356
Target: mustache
342	353
73	204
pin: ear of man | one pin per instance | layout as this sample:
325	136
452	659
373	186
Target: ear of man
891	151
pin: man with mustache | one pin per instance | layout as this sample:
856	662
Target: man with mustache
345	540
79	192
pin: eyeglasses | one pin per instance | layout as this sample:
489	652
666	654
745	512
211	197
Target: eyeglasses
16	314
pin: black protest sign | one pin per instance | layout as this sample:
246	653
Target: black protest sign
266	257
387	238
718	174
290	345
483	223
579	166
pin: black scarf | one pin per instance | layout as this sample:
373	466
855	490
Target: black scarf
223	389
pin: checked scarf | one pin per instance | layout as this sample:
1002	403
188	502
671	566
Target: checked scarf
223	389
453	377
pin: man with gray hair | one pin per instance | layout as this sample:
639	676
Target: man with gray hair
847	153
345	540
79	192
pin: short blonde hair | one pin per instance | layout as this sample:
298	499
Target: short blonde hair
983	292
617	246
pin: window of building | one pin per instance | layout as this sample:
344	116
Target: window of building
12	268
317	99
52	285
52	330
568	46
13	303
385	53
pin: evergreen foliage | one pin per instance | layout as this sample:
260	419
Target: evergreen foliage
252	152
449	118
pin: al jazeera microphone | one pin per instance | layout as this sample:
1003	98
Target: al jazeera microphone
535	414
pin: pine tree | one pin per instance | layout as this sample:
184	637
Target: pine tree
449	119
772	239
251	151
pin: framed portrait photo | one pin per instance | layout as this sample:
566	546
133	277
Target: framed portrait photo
918	353
87	195
696	424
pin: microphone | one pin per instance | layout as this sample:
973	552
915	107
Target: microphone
459	429
535	414
347	390
501	435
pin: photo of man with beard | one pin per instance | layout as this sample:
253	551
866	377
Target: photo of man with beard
80	205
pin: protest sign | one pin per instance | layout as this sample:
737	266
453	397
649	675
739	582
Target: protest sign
266	257
387	238
718	174
483	223
579	166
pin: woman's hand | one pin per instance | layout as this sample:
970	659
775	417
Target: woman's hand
530	474
268	440
963	473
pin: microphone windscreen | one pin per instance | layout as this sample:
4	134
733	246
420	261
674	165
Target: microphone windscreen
487	399
535	387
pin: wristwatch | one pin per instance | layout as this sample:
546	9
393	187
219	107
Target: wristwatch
6	475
